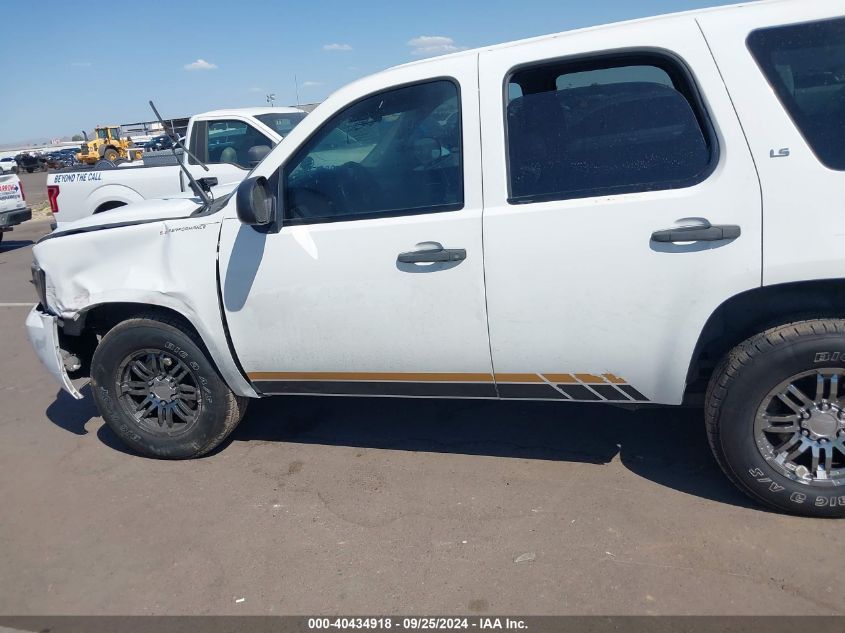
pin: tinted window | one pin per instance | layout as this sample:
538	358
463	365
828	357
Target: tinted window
593	128
805	64
227	141
282	123
395	153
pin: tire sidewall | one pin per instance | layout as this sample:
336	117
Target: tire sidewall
739	409
130	337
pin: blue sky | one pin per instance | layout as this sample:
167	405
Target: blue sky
80	64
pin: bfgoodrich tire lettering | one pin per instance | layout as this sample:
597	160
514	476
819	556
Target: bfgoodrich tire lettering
153	367
746	380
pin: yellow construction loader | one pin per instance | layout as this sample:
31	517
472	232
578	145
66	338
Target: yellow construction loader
107	145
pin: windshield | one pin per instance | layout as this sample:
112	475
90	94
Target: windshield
282	122
101	133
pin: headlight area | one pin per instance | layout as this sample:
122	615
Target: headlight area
39	280
76	346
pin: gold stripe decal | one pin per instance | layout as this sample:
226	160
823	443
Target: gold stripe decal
579	387
518	378
375	376
567	379
614	379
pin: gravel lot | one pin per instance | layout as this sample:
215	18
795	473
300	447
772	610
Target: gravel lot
357	506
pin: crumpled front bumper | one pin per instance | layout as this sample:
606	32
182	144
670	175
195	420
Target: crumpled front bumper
43	332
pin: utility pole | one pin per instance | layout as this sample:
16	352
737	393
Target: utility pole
296	83
271	98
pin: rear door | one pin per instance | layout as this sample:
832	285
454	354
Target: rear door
786	74
612	137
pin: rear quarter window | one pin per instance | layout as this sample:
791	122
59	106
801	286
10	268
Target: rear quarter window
805	65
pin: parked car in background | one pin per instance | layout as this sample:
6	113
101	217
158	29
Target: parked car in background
56	160
229	142
29	163
158	143
572	218
8	165
13	209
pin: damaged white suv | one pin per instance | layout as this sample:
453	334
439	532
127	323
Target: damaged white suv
643	213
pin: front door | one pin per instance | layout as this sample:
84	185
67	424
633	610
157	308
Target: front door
622	208
374	285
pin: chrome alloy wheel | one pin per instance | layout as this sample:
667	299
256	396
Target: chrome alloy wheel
160	391
803	436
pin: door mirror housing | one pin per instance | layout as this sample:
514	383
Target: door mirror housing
255	202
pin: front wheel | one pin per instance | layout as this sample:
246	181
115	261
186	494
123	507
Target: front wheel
775	413
159	392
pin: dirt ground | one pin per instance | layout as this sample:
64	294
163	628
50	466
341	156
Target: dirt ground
359	506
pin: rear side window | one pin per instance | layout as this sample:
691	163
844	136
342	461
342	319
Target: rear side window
805	64
227	141
604	126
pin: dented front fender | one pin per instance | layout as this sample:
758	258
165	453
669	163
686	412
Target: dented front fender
171	263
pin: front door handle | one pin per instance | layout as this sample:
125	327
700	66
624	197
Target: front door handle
433	255
698	233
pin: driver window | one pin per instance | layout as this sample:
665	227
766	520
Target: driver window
395	153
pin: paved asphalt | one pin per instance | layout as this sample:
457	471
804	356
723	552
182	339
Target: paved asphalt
358	506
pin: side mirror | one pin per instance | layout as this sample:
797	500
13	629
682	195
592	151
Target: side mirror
255	202
256	154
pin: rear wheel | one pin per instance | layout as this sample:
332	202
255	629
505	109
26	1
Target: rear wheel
159	392
775	413
111	154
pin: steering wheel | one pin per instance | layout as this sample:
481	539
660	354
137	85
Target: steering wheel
309	204
357	185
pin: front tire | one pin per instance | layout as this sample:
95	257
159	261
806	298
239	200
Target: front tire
157	389
775	414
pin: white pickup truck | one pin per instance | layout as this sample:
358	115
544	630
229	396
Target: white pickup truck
229	142
13	209
574	218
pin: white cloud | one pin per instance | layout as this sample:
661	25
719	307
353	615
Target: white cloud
81	64
256	89
428	45
337	47
200	64
311	84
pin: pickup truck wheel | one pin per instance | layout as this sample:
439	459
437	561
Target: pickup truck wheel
775	414
159	392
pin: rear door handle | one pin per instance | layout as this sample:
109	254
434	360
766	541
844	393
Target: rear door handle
433	255
698	233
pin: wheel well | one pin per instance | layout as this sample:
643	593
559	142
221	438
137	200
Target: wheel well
106	206
82	336
751	312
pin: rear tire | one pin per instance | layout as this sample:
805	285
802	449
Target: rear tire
158	390
775	409
111	154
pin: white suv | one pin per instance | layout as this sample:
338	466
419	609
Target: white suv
643	213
